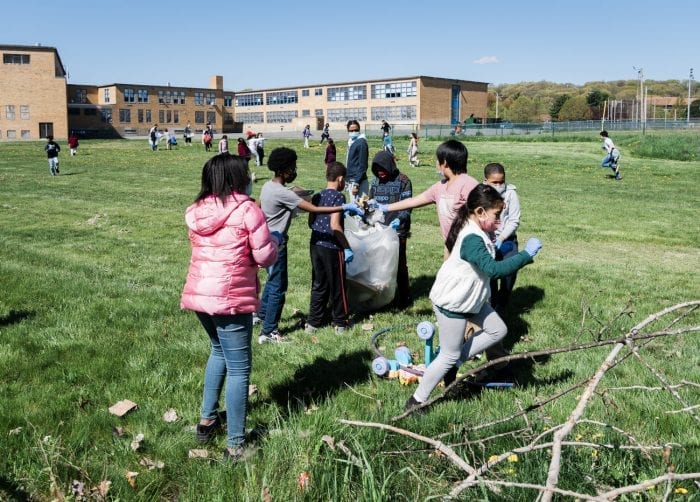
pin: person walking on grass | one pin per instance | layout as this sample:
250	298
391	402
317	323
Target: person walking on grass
325	133
330	153
413	150
280	205
153	137
357	159
307	134
461	290
73	144
52	148
229	241
612	155
330	252
223	144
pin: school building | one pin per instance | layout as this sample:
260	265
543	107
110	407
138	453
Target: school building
36	100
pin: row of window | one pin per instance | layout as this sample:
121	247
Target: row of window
12	134
15	58
165	97
392	113
11	112
389	90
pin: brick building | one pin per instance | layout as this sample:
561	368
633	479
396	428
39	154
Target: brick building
51	106
32	93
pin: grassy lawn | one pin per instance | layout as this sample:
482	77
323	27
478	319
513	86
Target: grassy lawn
93	262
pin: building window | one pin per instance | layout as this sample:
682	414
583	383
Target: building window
251	118
306	113
90	111
345	114
11	134
148	117
161	116
281	98
26	134
106	115
249	100
176	117
318	112
72	110
10	112
164	97
168	116
228	118
124	115
393	113
318	92
199	98
199	117
15	59
210	98
228	101
139	115
211	117
105	95
24	112
304	92
352	93
128	95
281	117
81	95
394	90
142	95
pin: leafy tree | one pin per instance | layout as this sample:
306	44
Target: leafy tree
595	100
523	109
575	108
694	109
557	104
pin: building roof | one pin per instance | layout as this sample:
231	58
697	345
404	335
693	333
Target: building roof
34	48
379	80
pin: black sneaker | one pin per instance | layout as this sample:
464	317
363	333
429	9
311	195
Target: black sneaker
204	433
450	376
411	404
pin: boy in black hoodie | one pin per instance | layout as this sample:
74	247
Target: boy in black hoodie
388	186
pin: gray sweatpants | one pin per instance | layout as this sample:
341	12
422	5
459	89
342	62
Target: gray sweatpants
453	349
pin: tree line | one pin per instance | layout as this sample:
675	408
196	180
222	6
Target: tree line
539	101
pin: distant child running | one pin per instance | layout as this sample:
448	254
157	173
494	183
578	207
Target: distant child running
243	150
73	144
52	148
330	152
223	144
390	185
330	252
326	133
461	290
506	234
280	205
612	155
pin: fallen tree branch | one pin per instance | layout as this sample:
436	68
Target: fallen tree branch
683	383
438	445
668	477
684	410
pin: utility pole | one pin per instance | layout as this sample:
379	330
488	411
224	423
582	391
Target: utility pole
640	92
496	105
690	80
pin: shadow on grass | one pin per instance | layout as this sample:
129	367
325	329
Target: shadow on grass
320	380
16	316
11	490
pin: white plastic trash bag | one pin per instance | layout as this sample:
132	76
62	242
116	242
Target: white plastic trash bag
371	275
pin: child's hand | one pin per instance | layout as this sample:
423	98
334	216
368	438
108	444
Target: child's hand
353	208
349	255
533	246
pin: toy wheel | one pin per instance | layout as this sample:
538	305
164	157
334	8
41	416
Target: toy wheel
425	330
380	366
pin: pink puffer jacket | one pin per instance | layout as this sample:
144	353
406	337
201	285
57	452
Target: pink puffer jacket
229	242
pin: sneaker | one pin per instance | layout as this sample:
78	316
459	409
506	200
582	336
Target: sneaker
411	404
340	330
272	337
450	376
204	433
310	330
256	320
233	455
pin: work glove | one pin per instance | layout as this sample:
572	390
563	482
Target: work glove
506	247
353	208
277	235
349	255
395	224
533	246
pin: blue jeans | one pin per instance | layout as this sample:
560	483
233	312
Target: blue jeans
230	359
275	291
610	160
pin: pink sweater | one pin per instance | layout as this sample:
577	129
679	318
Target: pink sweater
229	242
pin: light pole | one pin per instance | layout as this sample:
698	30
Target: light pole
690	80
640	93
496	105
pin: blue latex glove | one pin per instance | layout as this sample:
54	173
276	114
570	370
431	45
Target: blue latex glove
277	235
533	246
395	224
349	255
353	208
506	247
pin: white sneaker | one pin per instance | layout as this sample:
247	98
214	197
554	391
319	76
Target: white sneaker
256	319
273	337
310	330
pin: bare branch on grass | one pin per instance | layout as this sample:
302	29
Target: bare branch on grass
668	477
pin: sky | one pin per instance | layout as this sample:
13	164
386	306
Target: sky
266	44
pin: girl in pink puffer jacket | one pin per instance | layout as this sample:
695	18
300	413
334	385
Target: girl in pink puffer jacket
230	241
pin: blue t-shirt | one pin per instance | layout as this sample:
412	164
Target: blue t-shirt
321	232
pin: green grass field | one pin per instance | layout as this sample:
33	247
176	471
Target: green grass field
93	262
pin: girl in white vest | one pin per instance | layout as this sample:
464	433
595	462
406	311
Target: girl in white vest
461	290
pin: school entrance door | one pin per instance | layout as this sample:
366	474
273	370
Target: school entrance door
320	122
454	105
